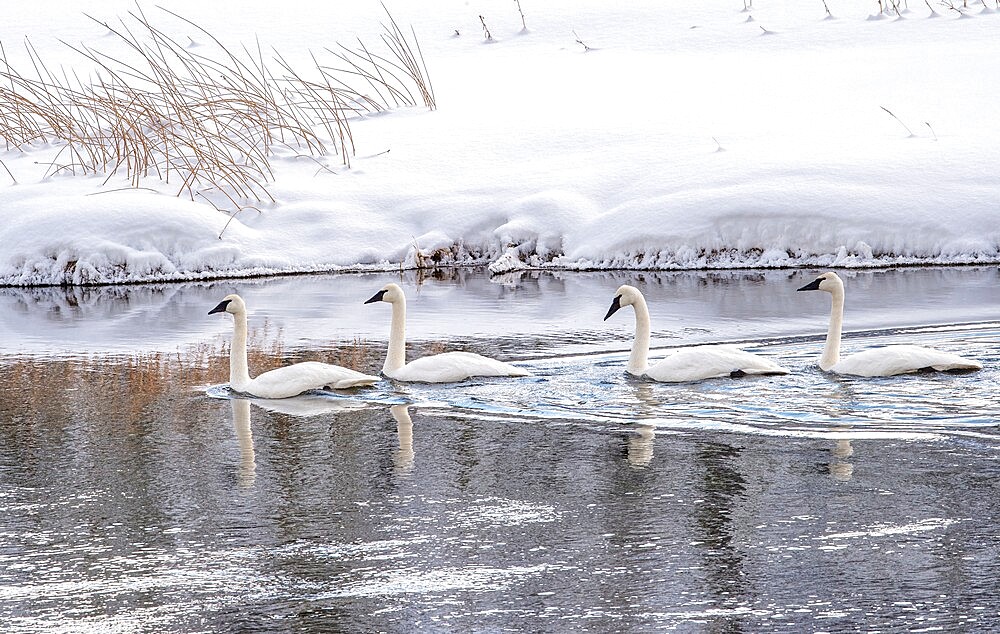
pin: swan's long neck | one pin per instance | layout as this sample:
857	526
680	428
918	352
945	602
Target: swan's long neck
638	361
239	372
831	351
395	358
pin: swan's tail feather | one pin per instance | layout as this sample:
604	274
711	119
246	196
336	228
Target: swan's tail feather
344	384
965	366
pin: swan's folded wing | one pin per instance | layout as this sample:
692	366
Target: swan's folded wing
707	362
450	367
901	359
295	379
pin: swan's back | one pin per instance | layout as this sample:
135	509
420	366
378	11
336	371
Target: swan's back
295	379
707	362
449	367
901	359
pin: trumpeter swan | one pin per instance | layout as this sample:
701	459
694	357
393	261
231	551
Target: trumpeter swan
686	364
447	367
283	382
885	361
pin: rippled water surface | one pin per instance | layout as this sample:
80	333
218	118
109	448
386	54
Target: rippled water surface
138	494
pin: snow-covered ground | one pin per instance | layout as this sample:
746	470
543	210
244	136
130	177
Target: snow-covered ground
646	134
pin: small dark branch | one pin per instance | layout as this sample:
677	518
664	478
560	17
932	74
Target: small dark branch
519	10
486	31
908	131
934	134
827	9
580	42
8	172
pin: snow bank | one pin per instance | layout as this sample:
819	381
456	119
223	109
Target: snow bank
680	137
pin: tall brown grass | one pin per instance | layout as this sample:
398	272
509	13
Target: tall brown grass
205	123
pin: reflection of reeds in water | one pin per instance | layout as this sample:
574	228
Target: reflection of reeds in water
125	386
266	350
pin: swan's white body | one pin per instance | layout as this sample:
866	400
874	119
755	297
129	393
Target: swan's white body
283	382
448	367
886	361
686	364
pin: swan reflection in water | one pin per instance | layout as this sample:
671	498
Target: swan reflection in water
308	405
404	429
640	444
839	468
246	473
302	406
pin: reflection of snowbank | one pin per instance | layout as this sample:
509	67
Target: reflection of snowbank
541	155
540	311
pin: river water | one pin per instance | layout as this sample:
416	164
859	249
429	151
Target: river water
138	494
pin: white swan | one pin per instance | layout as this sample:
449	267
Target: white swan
447	367
283	382
886	361
686	364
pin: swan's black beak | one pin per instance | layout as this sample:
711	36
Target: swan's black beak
812	286
377	297
221	308
616	305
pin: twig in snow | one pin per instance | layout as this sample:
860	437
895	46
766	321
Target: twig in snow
908	131
519	10
580	42
951	5
486	31
931	129
123	189
8	172
232	216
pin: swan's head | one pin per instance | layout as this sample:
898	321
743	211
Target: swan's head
391	293
829	282
625	296
232	304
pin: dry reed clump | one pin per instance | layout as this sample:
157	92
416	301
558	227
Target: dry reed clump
207	125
